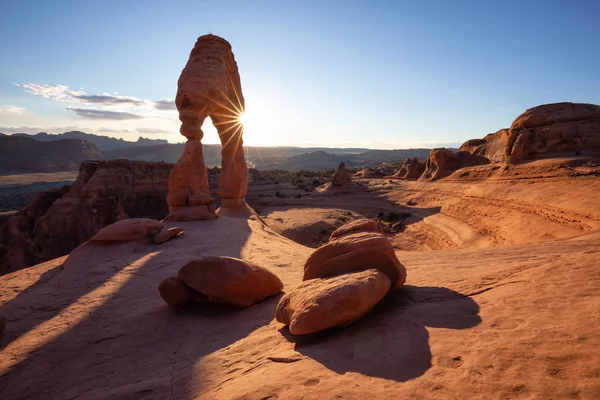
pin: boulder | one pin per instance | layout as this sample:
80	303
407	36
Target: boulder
176	293
230	279
127	230
319	304
361	225
355	251
167	234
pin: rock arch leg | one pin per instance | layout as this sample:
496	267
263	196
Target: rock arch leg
233	182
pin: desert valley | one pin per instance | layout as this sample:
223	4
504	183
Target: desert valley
155	270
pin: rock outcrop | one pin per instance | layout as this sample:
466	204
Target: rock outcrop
209	86
554	128
319	304
443	162
492	146
56	222
127	230
411	169
542	131
341	176
229	279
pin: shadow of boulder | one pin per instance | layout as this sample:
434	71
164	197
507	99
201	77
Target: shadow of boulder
391	342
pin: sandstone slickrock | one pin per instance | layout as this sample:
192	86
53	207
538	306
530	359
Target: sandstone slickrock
358	225
127	230
209	86
56	222
176	293
411	169
318	304
443	162
341	176
554	128
230	279
167	234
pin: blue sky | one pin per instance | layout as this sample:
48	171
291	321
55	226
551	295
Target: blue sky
379	74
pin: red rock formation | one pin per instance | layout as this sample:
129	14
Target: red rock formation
127	230
209	86
229	279
492	146
443	162
355	246
411	169
341	176
56	222
546	130
320	304
554	128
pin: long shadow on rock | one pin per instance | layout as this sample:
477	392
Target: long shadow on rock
392	342
128	343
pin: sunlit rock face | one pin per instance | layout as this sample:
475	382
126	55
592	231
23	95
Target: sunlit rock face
209	86
554	128
411	169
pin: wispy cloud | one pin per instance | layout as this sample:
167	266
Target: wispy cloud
11	109
63	93
165	104
104	114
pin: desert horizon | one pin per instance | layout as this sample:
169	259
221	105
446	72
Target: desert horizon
172	237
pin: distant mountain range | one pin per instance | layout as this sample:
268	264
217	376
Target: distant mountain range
43	152
23	155
101	142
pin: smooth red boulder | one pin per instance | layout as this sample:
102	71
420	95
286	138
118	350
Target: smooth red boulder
127	230
230	279
318	304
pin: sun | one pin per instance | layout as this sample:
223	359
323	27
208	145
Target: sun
243	118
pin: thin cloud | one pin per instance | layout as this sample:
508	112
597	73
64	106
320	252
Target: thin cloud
11	109
108	99
104	114
64	94
165	104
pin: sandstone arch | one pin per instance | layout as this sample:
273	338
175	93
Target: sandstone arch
210	87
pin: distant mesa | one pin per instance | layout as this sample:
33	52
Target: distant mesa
101	142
